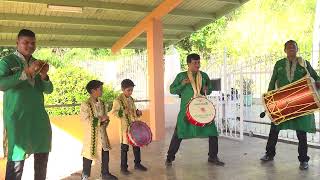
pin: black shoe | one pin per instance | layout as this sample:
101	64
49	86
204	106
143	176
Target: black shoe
109	177
215	161
266	158
304	165
125	171
84	177
140	167
168	162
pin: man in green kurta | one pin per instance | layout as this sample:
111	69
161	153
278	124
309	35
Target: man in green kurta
186	85
286	71
23	80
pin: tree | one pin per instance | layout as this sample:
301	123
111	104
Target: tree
69	88
257	29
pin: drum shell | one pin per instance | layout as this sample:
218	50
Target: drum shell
291	101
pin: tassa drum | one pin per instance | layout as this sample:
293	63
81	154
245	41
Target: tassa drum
139	134
291	101
200	111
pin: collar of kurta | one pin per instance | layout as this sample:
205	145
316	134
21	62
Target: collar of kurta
127	101
196	82
127	104
94	101
93	105
291	66
17	53
31	80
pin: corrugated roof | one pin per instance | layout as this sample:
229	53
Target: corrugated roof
102	22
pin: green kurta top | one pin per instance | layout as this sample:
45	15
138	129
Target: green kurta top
185	129
280	78
25	118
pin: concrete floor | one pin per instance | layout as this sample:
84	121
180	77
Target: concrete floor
241	158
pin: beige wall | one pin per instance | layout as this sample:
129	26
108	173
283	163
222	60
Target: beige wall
73	126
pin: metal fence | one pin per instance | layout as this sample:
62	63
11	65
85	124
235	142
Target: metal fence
140	104
239	102
122	67
237	114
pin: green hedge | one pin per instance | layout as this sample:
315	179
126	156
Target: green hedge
69	88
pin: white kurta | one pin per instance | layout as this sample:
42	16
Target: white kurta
93	144
118	114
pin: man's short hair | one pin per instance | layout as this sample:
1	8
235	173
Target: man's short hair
93	84
192	56
290	42
127	83
27	33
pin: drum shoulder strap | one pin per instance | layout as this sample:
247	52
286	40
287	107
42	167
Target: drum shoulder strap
303	63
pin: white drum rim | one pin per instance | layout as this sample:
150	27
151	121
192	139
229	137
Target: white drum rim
211	104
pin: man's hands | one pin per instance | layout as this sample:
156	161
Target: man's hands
36	67
138	112
104	118
44	71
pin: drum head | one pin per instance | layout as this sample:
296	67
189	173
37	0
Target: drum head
202	110
140	133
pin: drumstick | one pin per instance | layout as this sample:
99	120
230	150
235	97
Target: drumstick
205	91
263	114
39	70
138	117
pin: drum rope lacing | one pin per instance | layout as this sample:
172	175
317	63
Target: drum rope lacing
279	117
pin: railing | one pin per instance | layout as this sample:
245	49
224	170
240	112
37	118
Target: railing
227	118
123	67
252	123
251	77
75	105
